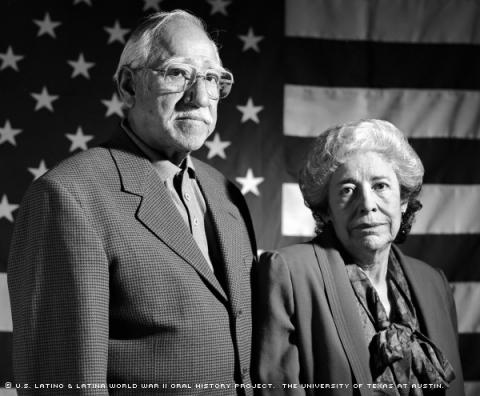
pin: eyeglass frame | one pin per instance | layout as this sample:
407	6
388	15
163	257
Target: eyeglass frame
188	82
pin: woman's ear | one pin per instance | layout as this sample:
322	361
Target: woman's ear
403	207
126	86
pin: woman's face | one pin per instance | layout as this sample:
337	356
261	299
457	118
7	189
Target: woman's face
364	203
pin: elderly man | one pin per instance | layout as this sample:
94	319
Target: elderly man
130	263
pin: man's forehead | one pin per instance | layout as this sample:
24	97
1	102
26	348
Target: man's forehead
183	39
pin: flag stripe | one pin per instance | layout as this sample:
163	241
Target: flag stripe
472	388
6	371
297	219
419	21
5	315
447	209
8	392
329	63
446	161
457	255
467	296
469	350
310	110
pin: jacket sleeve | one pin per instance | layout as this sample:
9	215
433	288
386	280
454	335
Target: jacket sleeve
276	357
59	289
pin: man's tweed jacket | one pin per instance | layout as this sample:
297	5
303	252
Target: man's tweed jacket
108	285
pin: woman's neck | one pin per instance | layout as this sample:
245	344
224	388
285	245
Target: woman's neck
375	265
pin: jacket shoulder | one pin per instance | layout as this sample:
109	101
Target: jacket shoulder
91	162
298	258
419	267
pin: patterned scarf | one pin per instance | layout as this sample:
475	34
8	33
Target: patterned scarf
401	357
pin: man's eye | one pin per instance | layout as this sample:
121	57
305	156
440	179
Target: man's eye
176	72
212	77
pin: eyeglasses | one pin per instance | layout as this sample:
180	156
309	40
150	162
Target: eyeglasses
178	77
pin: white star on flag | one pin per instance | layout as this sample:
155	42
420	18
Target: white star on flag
47	26
89	2
219	6
81	66
44	99
79	140
250	111
7	134
114	106
250	40
217	147
9	59
250	182
7	208
37	172
155	4
116	33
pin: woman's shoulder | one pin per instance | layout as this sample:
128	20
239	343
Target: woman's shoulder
290	255
299	261
419	271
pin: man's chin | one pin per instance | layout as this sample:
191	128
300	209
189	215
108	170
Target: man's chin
193	143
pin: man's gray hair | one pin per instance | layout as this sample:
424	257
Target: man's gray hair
142	46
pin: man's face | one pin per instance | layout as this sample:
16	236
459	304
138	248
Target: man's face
176	123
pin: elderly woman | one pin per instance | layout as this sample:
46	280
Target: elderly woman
348	313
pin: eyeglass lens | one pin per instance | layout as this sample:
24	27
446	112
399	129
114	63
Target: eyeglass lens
179	77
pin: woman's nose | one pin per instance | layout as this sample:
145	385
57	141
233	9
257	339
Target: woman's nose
366	199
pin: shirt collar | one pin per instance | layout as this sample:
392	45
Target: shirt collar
165	168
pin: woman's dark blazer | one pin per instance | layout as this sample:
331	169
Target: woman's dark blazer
307	328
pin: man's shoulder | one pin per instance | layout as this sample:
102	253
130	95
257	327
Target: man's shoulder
88	163
82	172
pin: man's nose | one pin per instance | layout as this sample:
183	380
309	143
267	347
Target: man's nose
366	200
197	93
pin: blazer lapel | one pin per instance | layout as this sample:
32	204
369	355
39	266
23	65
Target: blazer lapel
423	294
227	228
156	211
345	313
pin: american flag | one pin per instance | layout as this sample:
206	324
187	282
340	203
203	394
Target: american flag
300	66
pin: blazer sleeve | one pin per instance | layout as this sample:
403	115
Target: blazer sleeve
59	289
276	357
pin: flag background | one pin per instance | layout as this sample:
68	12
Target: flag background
299	66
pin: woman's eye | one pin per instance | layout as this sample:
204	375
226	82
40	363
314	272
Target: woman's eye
380	186
346	191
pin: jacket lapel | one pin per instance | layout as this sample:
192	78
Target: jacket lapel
345	313
423	294
227	229
156	211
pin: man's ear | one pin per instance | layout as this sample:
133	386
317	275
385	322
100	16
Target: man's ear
126	86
